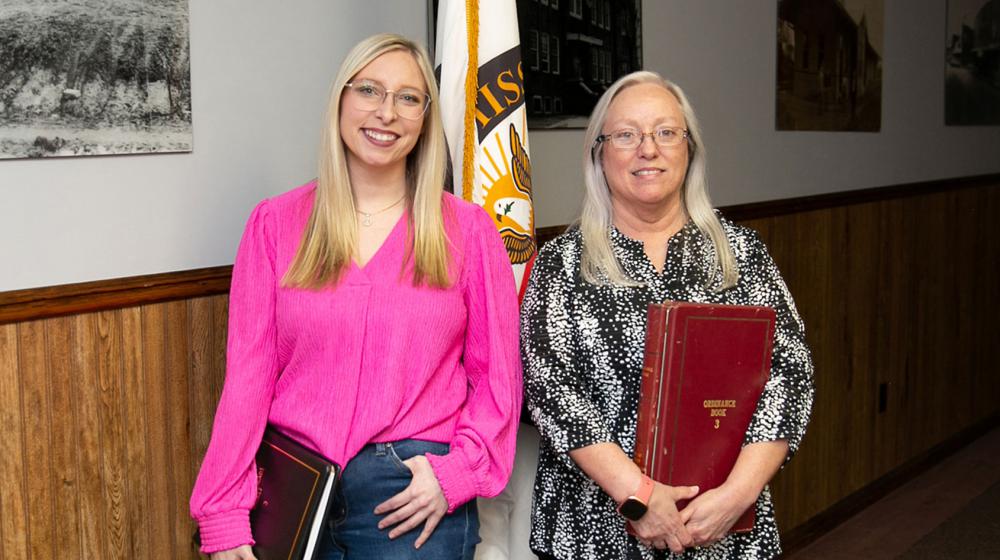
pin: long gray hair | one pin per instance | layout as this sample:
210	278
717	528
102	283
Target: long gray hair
598	262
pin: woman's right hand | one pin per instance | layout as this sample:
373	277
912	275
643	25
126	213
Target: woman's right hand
239	553
661	527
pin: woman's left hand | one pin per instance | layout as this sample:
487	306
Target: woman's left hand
420	502
710	516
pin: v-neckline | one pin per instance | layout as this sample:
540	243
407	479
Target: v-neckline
364	268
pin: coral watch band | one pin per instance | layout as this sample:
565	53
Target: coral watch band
636	505
645	490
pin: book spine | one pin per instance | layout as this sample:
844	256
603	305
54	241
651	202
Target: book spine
652	368
667	394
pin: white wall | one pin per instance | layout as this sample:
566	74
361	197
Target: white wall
260	74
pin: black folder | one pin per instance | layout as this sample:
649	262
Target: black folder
294	490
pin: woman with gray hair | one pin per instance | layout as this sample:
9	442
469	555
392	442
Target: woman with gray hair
647	234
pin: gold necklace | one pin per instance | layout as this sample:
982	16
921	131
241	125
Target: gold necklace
366	217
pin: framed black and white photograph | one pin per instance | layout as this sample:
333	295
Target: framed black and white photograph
829	70
972	63
571	51
94	77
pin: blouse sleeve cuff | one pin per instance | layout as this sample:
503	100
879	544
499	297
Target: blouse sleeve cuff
223	531
454	475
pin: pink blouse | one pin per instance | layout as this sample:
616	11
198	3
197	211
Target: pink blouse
374	359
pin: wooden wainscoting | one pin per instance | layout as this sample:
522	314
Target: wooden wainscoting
104	418
108	389
899	296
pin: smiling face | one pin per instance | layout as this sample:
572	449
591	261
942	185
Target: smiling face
378	141
647	179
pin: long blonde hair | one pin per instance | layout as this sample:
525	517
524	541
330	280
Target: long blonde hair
598	259
330	238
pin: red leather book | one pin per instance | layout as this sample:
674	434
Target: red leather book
704	370
294	489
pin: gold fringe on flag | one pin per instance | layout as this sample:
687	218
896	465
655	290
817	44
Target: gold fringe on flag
471	92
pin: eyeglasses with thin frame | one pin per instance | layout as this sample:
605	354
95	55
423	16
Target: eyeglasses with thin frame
369	95
630	138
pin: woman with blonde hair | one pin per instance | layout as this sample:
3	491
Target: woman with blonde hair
372	318
647	234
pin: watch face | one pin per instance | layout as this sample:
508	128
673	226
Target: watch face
632	509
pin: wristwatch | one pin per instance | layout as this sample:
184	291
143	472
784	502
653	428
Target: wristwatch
635	506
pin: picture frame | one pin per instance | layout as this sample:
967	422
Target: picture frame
829	65
972	63
571	52
93	77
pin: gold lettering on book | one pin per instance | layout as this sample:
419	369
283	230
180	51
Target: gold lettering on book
717	408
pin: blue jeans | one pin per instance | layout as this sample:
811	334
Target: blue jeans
376	474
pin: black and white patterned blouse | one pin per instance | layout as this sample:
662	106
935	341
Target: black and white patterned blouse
582	347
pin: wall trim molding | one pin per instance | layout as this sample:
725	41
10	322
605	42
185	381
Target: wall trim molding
88	297
69	299
781	207
771	208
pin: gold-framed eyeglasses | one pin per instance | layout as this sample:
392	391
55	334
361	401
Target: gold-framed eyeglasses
369	95
631	138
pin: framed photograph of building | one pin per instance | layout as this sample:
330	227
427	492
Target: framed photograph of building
829	71
972	63
94	77
571	51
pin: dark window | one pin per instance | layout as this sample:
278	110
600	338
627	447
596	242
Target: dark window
544	44
533	49
554	54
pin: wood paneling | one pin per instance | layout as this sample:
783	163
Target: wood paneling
157	421
36	414
65	476
13	482
89	431
136	457
103	420
177	357
900	292
108	390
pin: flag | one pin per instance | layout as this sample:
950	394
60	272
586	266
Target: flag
478	59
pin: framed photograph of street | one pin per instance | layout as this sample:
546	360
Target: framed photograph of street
94	77
972	63
829	71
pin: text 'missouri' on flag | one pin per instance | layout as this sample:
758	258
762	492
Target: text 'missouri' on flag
478	59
